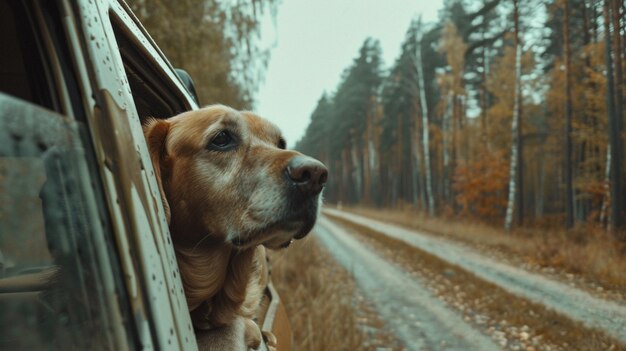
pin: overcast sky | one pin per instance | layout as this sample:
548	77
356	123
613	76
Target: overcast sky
315	40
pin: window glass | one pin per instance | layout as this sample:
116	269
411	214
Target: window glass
52	292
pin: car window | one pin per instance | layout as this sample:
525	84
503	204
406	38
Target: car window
54	293
154	94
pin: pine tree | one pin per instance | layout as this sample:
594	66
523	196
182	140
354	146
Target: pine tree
615	119
569	191
342	125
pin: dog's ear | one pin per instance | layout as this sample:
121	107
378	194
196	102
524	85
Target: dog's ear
155	132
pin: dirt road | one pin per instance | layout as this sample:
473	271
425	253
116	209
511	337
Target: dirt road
455	300
419	320
571	302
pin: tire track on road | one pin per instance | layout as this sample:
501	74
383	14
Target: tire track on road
419	319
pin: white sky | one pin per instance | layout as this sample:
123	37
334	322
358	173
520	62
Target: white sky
316	40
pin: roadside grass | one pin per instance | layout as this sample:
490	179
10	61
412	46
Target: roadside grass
527	325
589	252
324	307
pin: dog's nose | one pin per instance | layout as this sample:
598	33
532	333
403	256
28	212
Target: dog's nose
308	174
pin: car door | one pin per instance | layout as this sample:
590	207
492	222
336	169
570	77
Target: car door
118	59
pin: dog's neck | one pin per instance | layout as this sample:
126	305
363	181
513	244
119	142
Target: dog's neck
205	265
203	270
216	274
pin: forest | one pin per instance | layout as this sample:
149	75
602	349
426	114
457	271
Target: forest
504	111
496	134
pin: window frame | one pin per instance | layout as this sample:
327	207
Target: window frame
151	273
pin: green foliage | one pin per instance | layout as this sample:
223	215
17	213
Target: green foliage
581	21
318	132
370	131
336	122
353	99
339	123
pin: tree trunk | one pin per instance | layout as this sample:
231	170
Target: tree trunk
454	131
357	182
515	170
367	169
345	176
615	130
619	95
569	191
583	157
540	194
421	82
398	166
483	83
607	188
446	146
416	167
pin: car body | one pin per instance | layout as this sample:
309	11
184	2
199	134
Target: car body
86	260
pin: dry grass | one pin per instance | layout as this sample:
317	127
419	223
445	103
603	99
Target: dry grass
324	307
505	311
588	252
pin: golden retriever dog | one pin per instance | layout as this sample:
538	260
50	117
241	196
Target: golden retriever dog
230	189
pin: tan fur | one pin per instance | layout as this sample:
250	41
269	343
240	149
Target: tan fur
212	198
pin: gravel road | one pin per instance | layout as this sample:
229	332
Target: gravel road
574	303
419	320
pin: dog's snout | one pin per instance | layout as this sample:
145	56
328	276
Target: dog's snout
308	174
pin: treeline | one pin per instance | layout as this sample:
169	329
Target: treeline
504	110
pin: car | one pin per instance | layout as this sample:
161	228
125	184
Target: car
87	261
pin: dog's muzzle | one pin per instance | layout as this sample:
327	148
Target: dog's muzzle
307	175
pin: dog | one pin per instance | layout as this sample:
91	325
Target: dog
230	189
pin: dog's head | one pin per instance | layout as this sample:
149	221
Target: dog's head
225	176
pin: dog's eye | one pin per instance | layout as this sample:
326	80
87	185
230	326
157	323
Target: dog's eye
282	144
222	140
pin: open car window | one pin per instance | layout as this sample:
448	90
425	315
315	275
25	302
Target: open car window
153	93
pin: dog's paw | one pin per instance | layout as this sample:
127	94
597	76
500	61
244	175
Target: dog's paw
270	340
252	334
